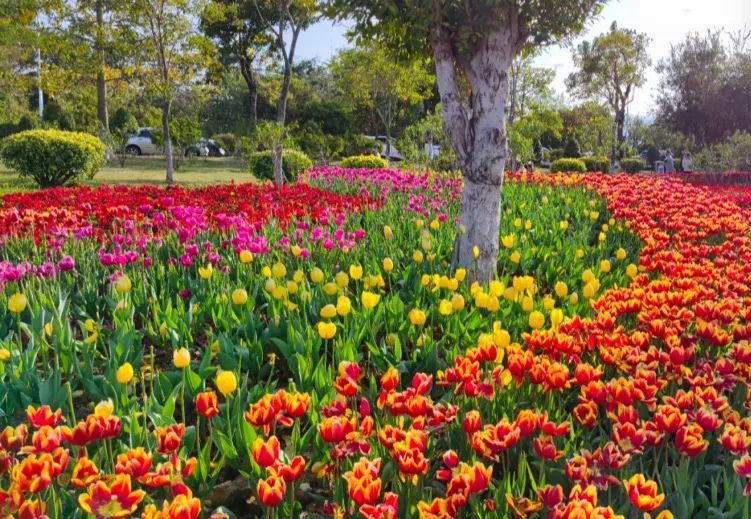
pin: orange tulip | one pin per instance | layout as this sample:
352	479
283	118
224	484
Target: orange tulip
170	438
85	473
265	453
207	404
43	415
271	490
136	463
116	500
643	493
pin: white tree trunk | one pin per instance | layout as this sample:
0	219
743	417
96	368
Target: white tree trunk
278	163
478	134
169	159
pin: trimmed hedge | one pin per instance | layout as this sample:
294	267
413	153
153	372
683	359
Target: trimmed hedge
632	165
261	164
53	157
568	166
596	164
364	162
228	141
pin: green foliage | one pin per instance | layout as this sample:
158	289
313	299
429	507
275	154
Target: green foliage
53	157
632	165
734	154
568	165
364	162
315	143
429	129
597	164
27	122
571	149
228	141
54	115
361	145
261	164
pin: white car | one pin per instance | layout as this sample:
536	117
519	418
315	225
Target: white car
142	143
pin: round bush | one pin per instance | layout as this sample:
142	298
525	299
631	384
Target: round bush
227	141
596	164
53	157
261	164
364	162
632	165
568	166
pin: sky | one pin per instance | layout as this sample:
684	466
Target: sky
665	21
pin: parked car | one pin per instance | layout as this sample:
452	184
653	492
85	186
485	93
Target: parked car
205	148
142	143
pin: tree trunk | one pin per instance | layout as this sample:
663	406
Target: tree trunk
252	82
278	171
620	122
478	134
101	84
169	159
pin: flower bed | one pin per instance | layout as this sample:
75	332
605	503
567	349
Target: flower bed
340	368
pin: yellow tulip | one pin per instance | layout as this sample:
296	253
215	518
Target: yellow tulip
278	270
388	264
246	256
508	241
563	224
580	253
457	302
516	257
445	308
104	409
574	298
122	284
343	306
49	328
326	330
239	296
355	272
435	225
125	373
556	317
632	270
370	299
387	232
528	304
296	251
417	317
460	275
620	254
316	275
588	276
548	303
536	320
561	289
298	277
226	382
181	358
4	354
342	279
417	256
605	266
206	272
330	288
328	311
17	303
266	271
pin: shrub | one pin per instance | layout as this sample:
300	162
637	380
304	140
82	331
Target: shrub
364	162
261	164
568	166
597	164
228	141
27	122
632	165
555	154
571	149
361	145
53	157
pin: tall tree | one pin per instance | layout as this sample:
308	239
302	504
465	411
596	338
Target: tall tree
472	42
239	30
528	85
370	77
705	90
611	67
289	19
171	51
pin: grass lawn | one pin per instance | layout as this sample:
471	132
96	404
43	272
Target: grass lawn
149	170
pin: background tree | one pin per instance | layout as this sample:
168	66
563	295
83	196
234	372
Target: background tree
239	30
528	86
472	43
171	49
705	87
611	67
591	125
374	80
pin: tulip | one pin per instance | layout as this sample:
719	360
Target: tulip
207	404
239	296
370	300
266	453
326	330
226	382
125	373
17	303
181	358
271	490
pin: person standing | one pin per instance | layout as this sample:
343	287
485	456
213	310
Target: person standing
687	163
669	163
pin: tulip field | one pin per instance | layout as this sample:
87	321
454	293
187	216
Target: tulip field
244	351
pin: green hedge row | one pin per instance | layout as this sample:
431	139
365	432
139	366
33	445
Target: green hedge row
261	164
